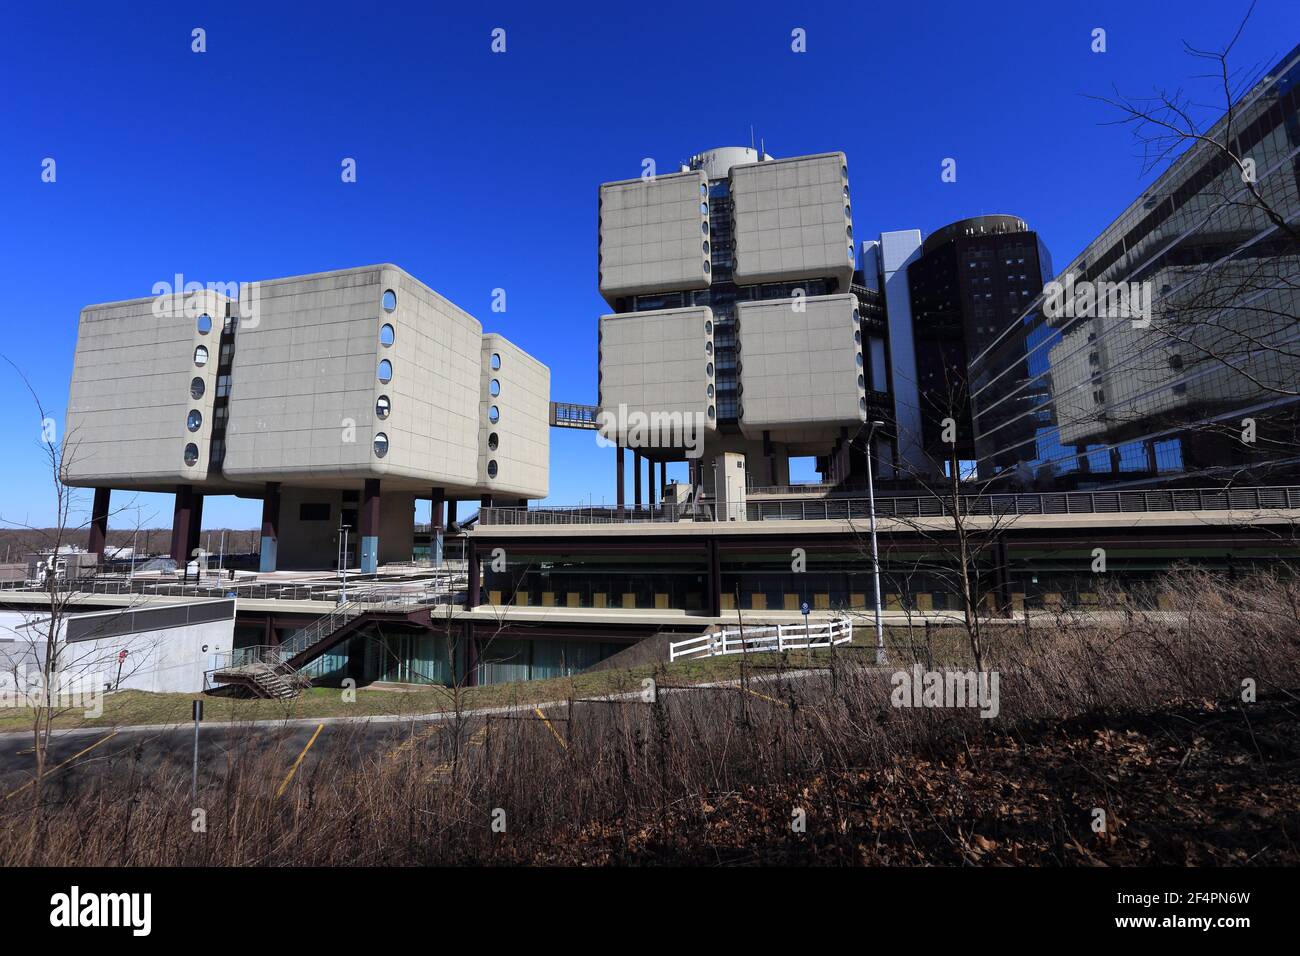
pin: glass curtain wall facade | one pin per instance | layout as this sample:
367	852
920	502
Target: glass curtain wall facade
1147	356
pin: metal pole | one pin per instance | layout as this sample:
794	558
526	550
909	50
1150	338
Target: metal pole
221	558
875	554
343	564
197	713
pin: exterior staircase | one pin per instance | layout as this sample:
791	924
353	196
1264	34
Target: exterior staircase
274	671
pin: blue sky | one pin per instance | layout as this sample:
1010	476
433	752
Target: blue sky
479	170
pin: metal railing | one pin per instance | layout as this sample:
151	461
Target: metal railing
247	661
441	584
756	640
1270	498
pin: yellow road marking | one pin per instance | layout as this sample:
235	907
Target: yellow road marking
765	697
412	740
294	769
551	727
64	764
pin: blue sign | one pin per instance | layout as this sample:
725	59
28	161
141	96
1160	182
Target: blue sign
804	609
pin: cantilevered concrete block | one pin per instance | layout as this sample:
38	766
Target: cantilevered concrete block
792	220
514	421
654	235
801	373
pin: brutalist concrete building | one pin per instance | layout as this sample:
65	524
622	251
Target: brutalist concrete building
734	313
337	398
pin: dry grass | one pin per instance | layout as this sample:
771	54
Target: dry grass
1137	715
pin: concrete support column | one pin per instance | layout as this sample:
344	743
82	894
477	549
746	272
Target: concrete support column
485	501
369	519
451	511
663	475
715	579
436	525
181	524
636	480
196	525
270	527
472	575
618	450
651	500
99	523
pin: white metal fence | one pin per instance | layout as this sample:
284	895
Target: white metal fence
755	640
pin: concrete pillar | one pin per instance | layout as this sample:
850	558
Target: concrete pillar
472	584
369	519
270	527
636	480
451	511
181	524
663	475
715	579
436	526
618	450
99	523
196	525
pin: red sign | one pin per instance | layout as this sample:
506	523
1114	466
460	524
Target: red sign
121	656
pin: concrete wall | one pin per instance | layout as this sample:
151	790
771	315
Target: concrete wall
792	220
653	235
314	544
521	434
658	362
130	396
801	371
305	384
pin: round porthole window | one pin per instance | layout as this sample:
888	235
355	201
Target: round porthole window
385	371
197	387
848	231
712	413
704	189
201	356
855	317
704	228
710	391
704	208
382	407
492	469
708	348
492	441
194	420
862	404
494	388
381	445
857	337
706	265
706	247
850	252
859	358
494	414
862	382
386	335
708	327
847	210
496	361
191	454
708	370
390	300
205	324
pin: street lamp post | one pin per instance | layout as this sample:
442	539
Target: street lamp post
875	553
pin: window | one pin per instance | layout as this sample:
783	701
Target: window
382	407
381	445
708	370
492	441
708	348
390	300
708	328
191	454
494	388
205	324
494	414
386	335
712	412
492	469
201	356
194	421
704	208
197	388
385	371
314	511
496	361
709	390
